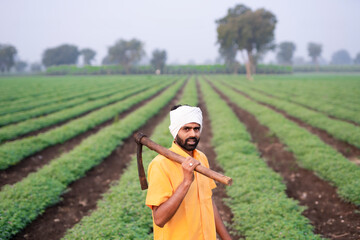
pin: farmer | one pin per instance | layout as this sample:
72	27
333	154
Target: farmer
181	199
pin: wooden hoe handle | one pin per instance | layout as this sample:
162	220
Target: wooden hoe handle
142	139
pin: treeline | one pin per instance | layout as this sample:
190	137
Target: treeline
169	69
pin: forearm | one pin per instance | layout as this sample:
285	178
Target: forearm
220	227
163	213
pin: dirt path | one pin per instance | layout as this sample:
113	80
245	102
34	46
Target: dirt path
219	193
331	217
84	193
32	163
347	150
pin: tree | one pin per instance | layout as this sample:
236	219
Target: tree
62	55
158	60
251	31
88	55
229	56
357	59
125	53
20	66
35	67
7	57
341	57
285	53
314	50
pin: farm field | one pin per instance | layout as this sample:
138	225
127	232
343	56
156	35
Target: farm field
291	143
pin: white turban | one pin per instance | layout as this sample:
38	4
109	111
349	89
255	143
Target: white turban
184	115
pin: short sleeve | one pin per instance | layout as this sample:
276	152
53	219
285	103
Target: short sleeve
160	188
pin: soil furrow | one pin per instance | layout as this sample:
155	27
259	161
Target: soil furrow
30	164
308	107
84	193
331	216
219	193
347	150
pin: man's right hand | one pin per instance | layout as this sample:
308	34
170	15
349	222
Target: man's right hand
188	167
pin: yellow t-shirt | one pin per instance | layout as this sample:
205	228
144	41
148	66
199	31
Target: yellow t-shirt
194	218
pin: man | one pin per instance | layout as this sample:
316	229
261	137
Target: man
181	199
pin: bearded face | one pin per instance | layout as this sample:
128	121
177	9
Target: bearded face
188	144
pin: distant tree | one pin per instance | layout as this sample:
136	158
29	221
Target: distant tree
88	55
35	67
20	66
7	57
229	56
341	57
252	31
61	55
158	59
357	59
125	53
314	50
285	53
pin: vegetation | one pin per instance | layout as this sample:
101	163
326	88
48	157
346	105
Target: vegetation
61	55
158	60
285	53
251	31
7	57
118	217
257	199
24	201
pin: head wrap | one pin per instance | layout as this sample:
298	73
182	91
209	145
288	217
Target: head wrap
184	115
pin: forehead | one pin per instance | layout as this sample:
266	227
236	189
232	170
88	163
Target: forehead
191	125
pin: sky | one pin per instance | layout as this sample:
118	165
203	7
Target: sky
185	29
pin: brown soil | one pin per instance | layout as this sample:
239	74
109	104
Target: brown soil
331	216
84	193
32	163
347	150
219	193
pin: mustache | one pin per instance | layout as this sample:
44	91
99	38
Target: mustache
192	138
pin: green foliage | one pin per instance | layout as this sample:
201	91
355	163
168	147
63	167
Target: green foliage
252	31
122	213
169	69
311	152
341	57
158	59
285	52
314	50
13	152
339	129
88	55
61	55
126	53
257	199
43	188
7	57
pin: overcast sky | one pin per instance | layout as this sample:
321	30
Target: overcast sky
185	29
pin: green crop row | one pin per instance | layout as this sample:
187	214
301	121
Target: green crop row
12	152
56	106
122	213
257	197
336	90
313	101
57	95
339	129
14	130
24	201
310	151
329	68
34	86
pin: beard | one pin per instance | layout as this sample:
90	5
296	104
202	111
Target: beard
185	144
